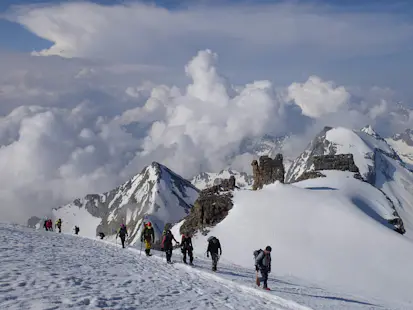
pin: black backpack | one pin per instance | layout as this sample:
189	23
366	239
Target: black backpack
256	253
122	231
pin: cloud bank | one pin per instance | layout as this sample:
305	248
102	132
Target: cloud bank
61	140
85	124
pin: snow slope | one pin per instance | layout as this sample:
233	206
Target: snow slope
156	194
58	271
402	143
377	161
322	236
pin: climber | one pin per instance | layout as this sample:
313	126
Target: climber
49	225
122	233
59	225
148	235
166	245
263	264
186	247
213	246
101	235
77	230
45	225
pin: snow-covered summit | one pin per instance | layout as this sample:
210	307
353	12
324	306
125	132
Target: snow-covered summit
327	231
403	144
157	193
377	162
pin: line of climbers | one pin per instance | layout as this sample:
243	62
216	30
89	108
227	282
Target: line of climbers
48	226
148	237
262	257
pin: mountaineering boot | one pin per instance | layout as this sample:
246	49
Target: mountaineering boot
266	288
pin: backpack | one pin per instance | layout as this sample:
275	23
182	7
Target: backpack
256	253
122	231
211	238
147	232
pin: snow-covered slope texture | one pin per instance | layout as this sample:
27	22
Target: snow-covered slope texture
403	144
208	179
378	164
156	194
321	235
56	271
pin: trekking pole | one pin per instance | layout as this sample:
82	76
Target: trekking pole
143	222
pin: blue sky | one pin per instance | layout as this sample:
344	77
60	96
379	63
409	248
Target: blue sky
15	37
350	61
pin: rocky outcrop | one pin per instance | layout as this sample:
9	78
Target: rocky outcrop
342	162
310	175
35	221
267	171
210	208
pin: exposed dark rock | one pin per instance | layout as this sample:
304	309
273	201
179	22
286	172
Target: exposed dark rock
310	175
318	146
33	221
267	171
343	162
211	207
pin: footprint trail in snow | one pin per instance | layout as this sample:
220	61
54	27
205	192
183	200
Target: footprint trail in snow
43	270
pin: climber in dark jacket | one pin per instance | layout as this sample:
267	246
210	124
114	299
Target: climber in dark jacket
122	233
213	246
263	264
166	245
186	247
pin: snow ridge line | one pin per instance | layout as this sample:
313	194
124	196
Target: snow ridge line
230	284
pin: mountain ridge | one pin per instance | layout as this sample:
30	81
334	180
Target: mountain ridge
156	194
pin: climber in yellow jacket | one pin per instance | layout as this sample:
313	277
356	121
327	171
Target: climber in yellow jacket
148	235
58	224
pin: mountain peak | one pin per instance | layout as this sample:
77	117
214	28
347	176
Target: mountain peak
368	129
156	194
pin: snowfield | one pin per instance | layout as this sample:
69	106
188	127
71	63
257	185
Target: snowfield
332	235
47	270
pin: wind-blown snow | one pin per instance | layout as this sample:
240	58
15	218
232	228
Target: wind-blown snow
321	236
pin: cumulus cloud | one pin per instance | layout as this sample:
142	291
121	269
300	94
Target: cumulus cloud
317	98
86	132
